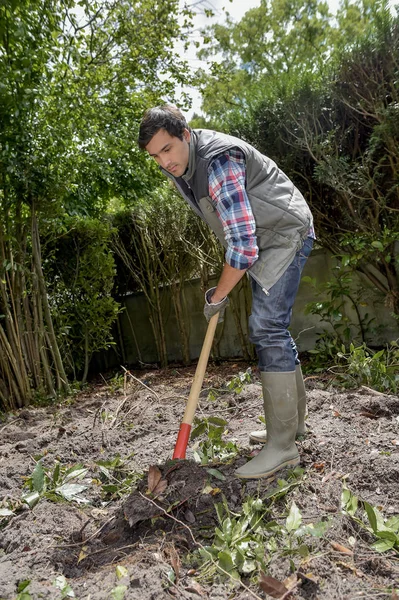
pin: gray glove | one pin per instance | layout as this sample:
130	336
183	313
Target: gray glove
211	309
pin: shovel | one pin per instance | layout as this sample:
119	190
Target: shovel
185	427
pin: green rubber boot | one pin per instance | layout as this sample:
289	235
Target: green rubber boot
259	437
281	413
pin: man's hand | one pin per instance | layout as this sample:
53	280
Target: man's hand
211	308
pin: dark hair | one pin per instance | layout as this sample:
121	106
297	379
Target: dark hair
166	117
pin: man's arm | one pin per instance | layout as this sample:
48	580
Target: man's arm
227	174
228	280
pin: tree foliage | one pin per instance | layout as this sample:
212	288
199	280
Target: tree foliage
75	78
329	117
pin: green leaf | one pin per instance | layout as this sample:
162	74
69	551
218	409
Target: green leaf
5	512
22	585
56	473
226	561
199	430
393	523
377	245
62	584
388	535
371	516
216	473
383	545
70	492
294	518
118	593
121	571
76	472
349	501
315	529
38	477
31	499
248	566
24	596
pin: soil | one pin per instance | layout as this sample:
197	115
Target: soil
153	530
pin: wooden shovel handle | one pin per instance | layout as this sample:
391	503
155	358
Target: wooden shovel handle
185	427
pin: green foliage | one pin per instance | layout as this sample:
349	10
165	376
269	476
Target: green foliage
80	273
236	384
116	479
75	77
63	586
376	369
23	592
213	448
238	545
246	543
328	116
261	59
370	518
54	485
340	305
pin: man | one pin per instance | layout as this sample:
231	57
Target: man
267	229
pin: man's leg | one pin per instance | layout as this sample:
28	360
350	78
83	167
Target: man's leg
278	357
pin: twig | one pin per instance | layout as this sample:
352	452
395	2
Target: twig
10	423
247	589
87	539
117	412
138	380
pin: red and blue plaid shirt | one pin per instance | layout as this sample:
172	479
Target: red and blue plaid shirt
227	178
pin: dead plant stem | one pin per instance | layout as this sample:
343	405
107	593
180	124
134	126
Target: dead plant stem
141	383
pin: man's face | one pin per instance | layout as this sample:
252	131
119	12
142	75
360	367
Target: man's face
170	152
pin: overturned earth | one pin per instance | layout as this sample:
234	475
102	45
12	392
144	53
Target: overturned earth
141	540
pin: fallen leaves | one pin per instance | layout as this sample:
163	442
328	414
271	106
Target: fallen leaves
342	549
156	485
278	589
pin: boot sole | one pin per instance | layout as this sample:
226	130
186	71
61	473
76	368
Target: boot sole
270	474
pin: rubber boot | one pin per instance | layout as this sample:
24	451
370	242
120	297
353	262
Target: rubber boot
259	437
281	413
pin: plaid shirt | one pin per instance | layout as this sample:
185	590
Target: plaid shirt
226	178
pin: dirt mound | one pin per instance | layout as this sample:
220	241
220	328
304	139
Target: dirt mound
353	441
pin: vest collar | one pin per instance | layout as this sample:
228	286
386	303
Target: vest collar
191	156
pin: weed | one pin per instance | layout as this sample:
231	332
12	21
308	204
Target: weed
236	384
238	545
117	382
61	584
377	369
116	480
55	485
385	530
331	307
23	592
213	448
248	542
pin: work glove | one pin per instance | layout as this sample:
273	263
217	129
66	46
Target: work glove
211	308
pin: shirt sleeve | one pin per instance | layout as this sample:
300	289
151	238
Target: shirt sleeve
226	177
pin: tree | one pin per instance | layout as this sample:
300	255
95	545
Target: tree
273	46
75	78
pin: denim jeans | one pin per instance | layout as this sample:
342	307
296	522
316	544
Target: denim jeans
271	317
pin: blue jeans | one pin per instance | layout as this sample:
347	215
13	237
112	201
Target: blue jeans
271	317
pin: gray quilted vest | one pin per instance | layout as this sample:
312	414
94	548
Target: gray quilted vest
281	213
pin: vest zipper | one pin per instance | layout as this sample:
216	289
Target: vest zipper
264	290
